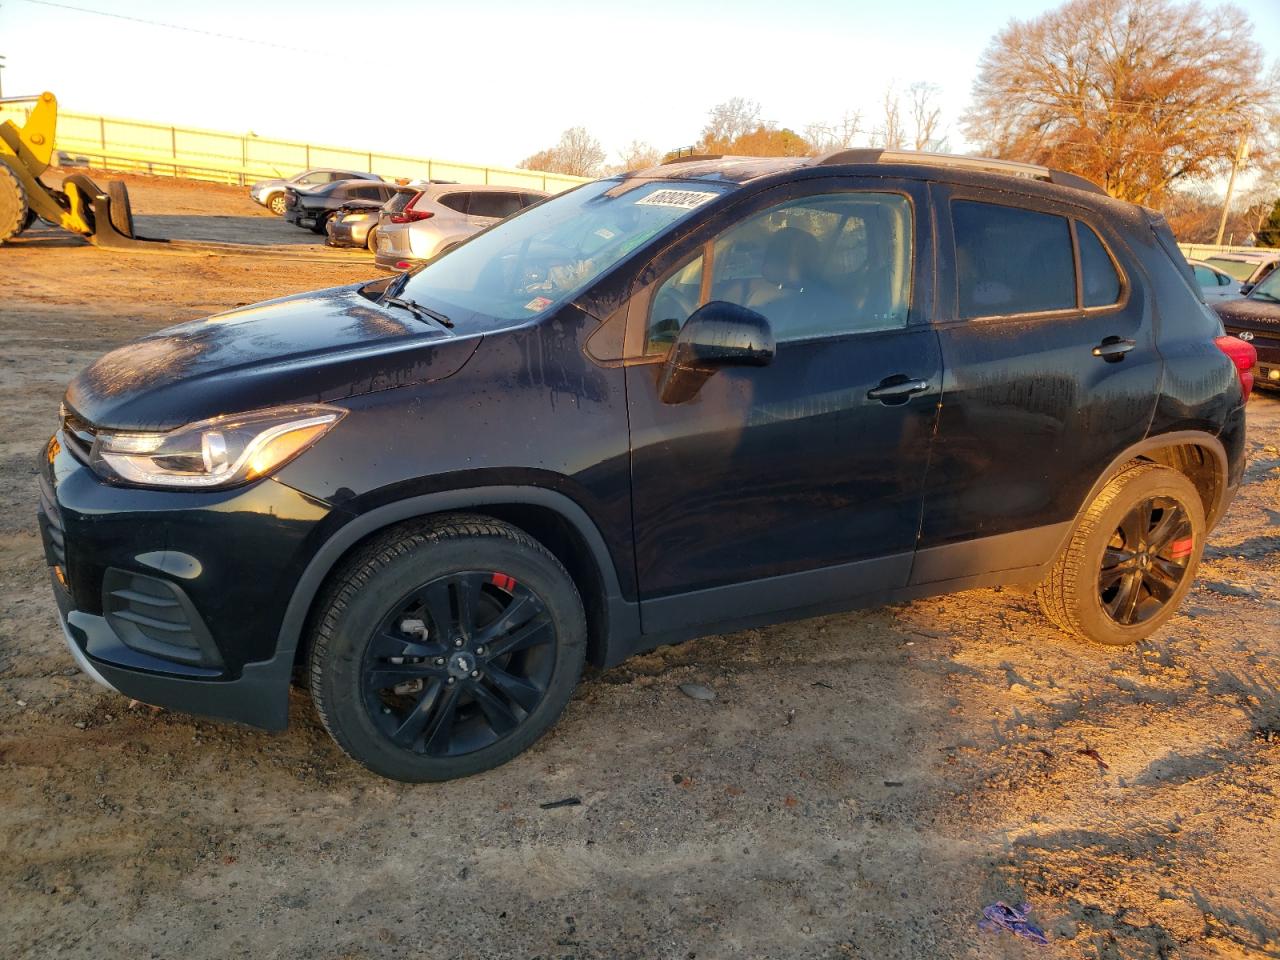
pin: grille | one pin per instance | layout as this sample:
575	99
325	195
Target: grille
155	617
51	525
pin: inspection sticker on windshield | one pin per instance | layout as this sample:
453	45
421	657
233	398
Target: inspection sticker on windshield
537	303
684	199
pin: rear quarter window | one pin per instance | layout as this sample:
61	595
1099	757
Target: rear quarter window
1098	276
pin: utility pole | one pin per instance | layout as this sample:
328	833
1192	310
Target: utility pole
1242	153
1	77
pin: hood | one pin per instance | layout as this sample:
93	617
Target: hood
1249	313
263	184
310	348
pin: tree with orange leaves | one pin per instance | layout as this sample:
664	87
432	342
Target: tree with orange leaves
1136	95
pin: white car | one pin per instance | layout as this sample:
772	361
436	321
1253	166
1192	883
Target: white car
1215	284
444	215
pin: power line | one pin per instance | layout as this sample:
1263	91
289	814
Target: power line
171	26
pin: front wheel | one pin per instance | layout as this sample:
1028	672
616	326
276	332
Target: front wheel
445	650
276	204
1131	559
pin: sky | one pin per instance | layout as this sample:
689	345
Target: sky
493	82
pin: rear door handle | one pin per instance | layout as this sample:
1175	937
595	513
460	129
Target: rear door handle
896	388
1113	349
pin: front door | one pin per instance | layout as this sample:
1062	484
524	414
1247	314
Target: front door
799	483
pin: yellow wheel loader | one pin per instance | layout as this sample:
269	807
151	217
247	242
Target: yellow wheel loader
80	205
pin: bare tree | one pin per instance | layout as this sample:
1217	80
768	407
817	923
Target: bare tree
1137	95
728	121
891	134
640	154
578	154
926	115
826	137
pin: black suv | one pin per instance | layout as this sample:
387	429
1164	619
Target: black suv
713	394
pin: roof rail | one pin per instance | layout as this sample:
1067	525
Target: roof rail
1030	171
690	157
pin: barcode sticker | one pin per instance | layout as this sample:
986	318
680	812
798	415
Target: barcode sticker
684	199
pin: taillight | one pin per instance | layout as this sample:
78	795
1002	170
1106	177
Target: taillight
412	216
1244	356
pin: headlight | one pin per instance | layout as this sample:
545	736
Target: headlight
221	452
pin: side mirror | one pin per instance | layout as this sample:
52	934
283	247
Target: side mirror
1245	289
717	334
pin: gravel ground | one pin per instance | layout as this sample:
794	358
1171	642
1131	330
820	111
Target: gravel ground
860	787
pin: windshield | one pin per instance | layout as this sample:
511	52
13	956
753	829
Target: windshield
551	252
1268	289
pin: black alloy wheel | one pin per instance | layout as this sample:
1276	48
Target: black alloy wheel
445	647
1145	560
459	664
1131	557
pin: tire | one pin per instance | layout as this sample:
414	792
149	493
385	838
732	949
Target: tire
321	223
1124	572
458	707
14	211
371	240
275	203
121	208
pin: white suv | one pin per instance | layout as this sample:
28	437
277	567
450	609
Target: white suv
444	215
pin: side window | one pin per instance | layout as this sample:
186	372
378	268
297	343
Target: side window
1223	279
456	201
674	300
818	266
495	205
1205	277
1010	260
340	175
1099	280
365	193
319	177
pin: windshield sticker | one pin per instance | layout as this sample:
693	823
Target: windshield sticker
684	199
537	303
604	233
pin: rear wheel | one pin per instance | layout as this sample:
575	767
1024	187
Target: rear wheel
13	204
322	221
445	650
121	208
275	203
1131	558
371	241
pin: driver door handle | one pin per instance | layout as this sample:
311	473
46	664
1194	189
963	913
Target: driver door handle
897	387
1113	349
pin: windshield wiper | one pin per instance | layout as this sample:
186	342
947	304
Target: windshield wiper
418	310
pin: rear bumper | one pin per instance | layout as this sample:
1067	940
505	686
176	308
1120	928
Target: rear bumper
301	217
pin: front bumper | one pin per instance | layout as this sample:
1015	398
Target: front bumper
176	598
347	234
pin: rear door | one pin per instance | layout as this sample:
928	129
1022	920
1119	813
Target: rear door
1051	371
798	483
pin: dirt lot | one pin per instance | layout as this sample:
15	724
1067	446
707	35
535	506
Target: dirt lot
861	787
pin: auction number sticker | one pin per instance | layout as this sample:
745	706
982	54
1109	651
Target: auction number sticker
537	303
684	199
